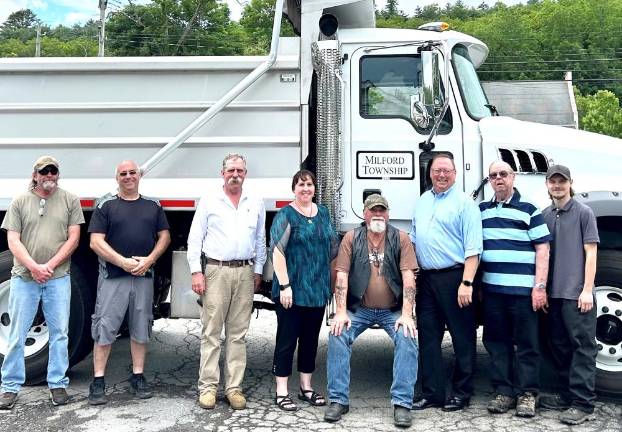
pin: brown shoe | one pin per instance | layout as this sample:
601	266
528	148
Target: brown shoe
526	405
207	400
236	400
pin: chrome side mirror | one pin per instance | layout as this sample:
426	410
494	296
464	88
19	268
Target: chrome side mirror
419	113
431	81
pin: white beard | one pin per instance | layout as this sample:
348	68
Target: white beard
48	185
377	225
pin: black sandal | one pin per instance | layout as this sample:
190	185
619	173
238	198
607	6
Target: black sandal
314	398
285	403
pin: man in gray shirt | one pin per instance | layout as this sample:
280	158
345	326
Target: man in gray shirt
572	315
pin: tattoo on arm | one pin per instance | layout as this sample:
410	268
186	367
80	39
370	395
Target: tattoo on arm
409	294
340	295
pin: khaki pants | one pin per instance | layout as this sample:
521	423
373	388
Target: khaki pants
228	301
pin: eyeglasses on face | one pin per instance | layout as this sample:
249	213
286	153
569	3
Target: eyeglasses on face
438	171
48	169
42	206
500	174
127	173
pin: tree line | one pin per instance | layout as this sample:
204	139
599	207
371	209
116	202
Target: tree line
537	40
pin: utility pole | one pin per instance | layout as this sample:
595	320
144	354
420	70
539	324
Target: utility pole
38	42
102	26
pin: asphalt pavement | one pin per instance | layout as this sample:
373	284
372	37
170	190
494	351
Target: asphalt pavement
173	370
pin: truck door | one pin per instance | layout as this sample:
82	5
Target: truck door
384	142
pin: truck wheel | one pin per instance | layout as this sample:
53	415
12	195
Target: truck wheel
608	291
36	349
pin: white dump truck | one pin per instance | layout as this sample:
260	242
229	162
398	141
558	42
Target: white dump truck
364	108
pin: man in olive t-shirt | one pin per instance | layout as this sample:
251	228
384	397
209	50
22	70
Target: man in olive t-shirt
43	230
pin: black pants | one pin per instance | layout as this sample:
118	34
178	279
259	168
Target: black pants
573	341
509	320
437	307
296	325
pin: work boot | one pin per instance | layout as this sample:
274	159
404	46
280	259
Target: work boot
139	387
501	404
59	396
236	400
402	417
207	400
97	392
574	416
7	400
526	405
553	402
334	412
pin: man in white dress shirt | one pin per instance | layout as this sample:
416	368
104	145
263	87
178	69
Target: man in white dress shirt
228	232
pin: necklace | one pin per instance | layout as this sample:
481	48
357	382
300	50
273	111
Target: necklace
375	257
309	220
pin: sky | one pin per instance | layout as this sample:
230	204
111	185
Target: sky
69	12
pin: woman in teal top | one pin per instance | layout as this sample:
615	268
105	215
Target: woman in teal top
303	243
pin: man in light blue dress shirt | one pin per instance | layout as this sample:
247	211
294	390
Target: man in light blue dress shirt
447	232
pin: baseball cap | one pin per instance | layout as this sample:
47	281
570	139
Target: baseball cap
375	200
558	169
44	161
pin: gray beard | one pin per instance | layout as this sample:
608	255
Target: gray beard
377	226
48	185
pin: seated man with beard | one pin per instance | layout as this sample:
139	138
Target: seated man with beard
375	286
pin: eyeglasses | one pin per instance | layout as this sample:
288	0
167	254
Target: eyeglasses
127	173
500	174
48	169
437	171
42	206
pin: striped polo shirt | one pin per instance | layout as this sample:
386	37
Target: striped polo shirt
511	229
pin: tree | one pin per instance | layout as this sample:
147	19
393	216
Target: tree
600	112
21	19
174	27
19	25
391	10
257	22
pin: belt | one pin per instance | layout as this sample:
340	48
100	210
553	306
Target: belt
443	270
232	263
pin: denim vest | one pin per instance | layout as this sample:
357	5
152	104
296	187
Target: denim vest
360	269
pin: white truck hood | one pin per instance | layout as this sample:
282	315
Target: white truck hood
595	160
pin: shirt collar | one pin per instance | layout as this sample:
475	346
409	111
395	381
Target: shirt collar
226	199
567	206
442	194
513	200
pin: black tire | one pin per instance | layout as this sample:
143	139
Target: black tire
608	289
80	342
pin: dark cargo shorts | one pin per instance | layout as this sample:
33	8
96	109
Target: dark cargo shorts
117	295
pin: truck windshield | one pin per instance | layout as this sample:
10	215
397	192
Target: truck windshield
472	93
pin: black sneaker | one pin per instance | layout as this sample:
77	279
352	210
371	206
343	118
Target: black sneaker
7	400
97	393
553	402
139	387
59	396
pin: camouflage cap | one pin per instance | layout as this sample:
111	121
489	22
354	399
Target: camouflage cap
375	200
44	161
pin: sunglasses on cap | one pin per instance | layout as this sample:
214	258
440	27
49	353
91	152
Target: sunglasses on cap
48	169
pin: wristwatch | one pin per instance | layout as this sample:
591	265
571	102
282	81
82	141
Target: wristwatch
284	287
467	283
540	285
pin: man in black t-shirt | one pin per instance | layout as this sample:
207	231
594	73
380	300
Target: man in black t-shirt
129	233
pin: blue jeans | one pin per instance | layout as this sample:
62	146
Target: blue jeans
24	298
405	356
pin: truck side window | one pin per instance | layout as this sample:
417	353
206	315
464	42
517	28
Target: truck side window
387	83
